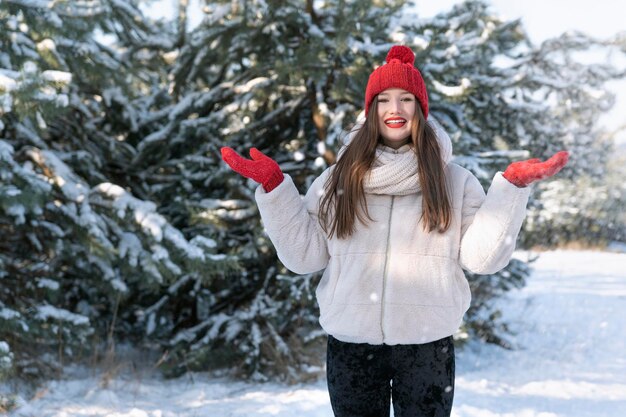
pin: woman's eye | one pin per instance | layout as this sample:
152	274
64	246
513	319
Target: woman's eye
407	99
383	100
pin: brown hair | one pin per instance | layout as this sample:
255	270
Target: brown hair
344	193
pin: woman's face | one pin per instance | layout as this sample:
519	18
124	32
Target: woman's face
395	108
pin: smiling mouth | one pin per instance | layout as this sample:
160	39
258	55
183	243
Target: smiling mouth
395	123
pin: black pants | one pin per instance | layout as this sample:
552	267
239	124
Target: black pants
362	378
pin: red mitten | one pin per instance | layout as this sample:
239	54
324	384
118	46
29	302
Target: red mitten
523	173
261	168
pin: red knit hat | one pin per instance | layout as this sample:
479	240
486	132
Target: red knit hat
398	72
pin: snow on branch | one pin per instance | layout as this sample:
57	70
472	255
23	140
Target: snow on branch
145	215
50	312
453	91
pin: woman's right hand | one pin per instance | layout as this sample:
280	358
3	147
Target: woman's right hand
260	168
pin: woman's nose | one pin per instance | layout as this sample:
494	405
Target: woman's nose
395	106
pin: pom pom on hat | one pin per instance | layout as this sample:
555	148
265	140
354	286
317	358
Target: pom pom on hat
401	53
398	72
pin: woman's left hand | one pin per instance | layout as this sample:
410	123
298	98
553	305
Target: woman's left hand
523	173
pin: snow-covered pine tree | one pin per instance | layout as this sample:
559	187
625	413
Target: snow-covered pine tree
285	77
81	247
585	204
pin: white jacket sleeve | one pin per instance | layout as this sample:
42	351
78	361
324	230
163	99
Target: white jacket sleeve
292	225
491	224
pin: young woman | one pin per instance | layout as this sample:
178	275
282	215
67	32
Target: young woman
393	223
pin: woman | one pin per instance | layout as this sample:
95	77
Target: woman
393	223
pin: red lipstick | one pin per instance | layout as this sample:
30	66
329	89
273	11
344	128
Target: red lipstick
395	122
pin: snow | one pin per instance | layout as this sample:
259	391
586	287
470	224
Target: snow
129	245
48	283
45	312
59	77
70	184
6	83
152	223
453	91
8	314
202	241
568	360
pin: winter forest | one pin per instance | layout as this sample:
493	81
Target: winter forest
121	229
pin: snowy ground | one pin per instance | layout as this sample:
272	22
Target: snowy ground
570	361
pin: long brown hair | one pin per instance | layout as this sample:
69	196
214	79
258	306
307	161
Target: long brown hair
344	197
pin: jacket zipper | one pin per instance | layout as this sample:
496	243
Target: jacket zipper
382	296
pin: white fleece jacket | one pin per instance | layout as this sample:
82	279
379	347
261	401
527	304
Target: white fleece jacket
391	282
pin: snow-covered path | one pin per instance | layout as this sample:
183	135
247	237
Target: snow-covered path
570	361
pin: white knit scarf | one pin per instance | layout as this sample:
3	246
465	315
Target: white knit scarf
394	172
